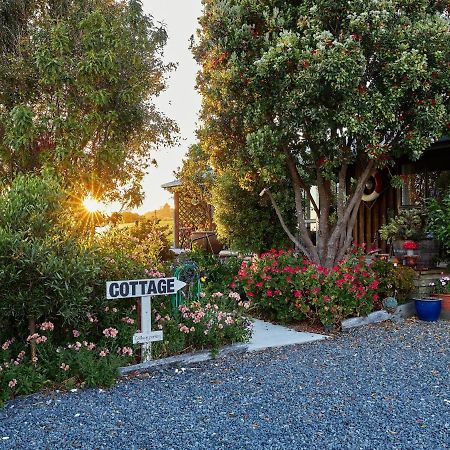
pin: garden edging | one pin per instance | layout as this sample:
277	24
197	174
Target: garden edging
265	335
401	313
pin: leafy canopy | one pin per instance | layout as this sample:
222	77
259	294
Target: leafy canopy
299	92
77	83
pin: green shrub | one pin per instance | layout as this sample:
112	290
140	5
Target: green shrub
395	282
32	206
439	220
407	224
216	274
146	243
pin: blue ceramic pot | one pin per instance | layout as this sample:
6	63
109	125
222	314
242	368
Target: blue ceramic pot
428	309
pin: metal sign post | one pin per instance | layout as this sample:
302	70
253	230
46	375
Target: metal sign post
145	289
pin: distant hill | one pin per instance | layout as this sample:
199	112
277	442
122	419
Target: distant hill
163	213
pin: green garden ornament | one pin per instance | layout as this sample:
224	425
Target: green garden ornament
189	273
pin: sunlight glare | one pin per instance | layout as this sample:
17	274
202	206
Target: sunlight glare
92	205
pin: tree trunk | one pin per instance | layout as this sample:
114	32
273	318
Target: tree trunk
333	242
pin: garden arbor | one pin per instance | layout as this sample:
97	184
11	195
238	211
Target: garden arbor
321	93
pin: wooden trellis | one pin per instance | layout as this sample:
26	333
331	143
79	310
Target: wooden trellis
189	215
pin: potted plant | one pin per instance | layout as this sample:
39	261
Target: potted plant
409	225
441	289
396	282
410	246
410	258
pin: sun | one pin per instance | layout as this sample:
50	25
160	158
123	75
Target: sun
92	205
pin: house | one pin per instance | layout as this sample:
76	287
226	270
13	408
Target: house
422	179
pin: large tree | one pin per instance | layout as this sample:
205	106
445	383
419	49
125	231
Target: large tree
301	92
77	85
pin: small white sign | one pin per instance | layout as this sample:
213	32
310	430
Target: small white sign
145	338
143	288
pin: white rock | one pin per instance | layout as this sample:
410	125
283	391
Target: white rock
379	316
353	322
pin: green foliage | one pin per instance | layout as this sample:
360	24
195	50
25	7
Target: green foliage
245	220
395	282
216	274
438	220
441	286
288	287
407	224
147	243
31	206
295	93
42	271
78	80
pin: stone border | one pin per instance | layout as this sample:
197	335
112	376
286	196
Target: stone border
401	313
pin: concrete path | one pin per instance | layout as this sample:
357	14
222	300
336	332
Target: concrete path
267	335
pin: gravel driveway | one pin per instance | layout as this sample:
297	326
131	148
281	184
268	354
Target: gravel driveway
383	387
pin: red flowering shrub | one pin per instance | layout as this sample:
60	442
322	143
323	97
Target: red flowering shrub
289	287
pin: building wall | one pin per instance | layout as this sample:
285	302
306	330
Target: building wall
372	215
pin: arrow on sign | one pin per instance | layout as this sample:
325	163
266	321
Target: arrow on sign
142	288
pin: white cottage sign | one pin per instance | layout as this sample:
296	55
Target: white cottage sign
145	289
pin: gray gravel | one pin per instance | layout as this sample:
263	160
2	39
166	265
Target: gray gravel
380	387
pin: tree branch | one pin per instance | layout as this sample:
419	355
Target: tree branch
354	201
324	188
342	190
293	172
346	238
304	235
280	218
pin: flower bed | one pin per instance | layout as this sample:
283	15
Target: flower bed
91	354
56	354
289	288
57	327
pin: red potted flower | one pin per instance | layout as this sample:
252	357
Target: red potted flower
410	246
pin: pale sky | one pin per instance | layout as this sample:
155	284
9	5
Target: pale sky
180	101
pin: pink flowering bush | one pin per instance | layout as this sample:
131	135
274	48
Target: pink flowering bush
288	287
89	355
213	321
